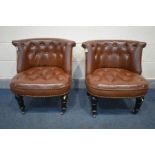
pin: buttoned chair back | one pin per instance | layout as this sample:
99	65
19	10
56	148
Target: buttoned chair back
114	54
44	52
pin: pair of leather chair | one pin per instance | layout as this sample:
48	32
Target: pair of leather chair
113	70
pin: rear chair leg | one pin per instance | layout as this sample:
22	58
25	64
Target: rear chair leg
139	101
64	99
88	94
20	102
94	105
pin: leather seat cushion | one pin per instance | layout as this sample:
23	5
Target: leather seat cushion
41	81
115	82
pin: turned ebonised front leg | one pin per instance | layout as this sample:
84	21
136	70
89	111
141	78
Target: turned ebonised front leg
139	101
20	102
94	105
64	99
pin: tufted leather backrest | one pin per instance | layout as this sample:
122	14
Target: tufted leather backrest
114	54
44	52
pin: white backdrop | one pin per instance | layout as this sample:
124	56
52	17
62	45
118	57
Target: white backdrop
78	34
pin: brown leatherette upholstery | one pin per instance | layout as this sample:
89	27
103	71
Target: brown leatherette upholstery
113	68
44	67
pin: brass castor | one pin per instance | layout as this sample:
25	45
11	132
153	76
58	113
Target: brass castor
64	99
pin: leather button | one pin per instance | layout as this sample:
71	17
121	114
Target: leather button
98	48
114	44
32	46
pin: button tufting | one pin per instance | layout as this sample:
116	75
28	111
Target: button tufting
114	71
118	78
43	66
40	75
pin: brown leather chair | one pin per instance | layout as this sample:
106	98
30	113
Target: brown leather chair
113	70
44	69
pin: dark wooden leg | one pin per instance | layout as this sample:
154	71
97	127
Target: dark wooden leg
88	94
20	102
139	101
94	105
64	99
